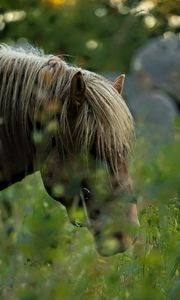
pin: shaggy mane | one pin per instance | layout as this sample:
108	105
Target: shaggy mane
31	80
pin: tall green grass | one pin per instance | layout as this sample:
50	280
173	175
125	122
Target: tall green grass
42	256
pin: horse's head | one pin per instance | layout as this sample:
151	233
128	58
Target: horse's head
95	122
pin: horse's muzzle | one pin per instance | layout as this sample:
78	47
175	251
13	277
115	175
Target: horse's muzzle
118	242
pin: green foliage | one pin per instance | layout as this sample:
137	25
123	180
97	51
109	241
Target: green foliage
105	38
42	256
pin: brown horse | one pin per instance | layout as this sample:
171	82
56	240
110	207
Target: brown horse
73	126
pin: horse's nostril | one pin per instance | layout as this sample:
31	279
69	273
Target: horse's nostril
118	235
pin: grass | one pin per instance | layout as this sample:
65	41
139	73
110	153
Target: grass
42	256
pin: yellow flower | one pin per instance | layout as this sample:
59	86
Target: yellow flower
57	3
54	3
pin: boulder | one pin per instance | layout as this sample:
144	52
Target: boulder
158	65
153	110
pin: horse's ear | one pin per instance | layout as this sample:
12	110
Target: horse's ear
119	83
77	89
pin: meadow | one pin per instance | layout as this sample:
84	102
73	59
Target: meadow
43	256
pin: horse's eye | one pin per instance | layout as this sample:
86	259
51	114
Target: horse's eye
86	193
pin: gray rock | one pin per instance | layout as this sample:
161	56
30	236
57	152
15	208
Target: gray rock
149	106
154	113
158	65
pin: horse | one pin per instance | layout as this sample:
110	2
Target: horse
71	125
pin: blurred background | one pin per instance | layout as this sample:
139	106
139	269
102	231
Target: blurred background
101	35
137	37
41	254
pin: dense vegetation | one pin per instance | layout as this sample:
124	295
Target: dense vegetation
43	256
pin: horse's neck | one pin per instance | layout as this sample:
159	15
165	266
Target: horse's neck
14	164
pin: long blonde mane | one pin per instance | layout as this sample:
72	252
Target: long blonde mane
29	81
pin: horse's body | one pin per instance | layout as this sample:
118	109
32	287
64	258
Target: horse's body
50	115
